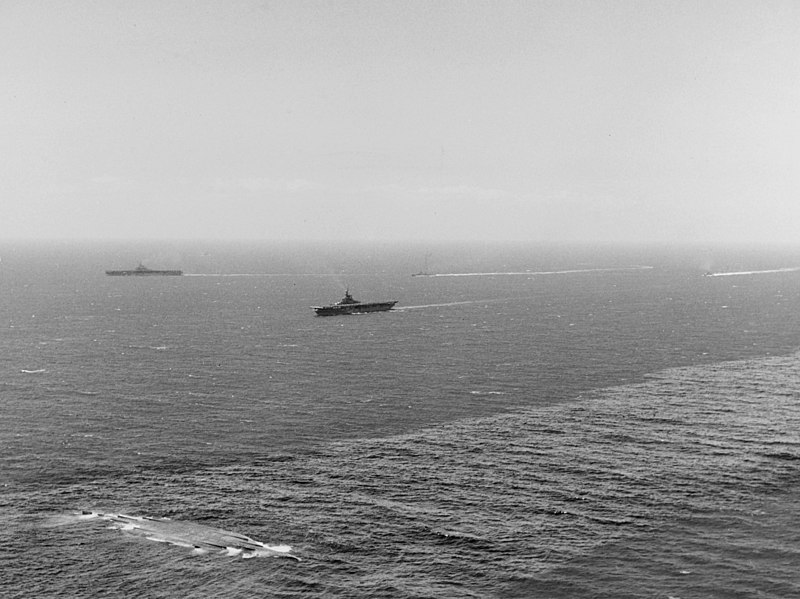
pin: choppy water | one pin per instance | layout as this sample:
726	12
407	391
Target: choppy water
607	432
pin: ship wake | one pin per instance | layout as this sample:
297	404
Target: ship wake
537	272
462	303
201	539
752	272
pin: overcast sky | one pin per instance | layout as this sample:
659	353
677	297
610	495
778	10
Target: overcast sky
668	121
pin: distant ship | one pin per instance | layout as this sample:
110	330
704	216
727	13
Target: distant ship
143	271
424	272
348	305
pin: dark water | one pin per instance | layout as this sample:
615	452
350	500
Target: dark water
601	423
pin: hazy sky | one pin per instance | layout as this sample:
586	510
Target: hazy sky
534	120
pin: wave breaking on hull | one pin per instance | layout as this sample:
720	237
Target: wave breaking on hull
198	537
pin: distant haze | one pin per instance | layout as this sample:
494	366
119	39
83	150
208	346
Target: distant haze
667	121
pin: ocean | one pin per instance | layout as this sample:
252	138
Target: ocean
529	421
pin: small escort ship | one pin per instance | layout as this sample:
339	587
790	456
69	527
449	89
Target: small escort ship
348	305
143	271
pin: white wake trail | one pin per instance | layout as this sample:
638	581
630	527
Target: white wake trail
445	304
536	272
752	272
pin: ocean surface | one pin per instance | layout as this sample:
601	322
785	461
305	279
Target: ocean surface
530	421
